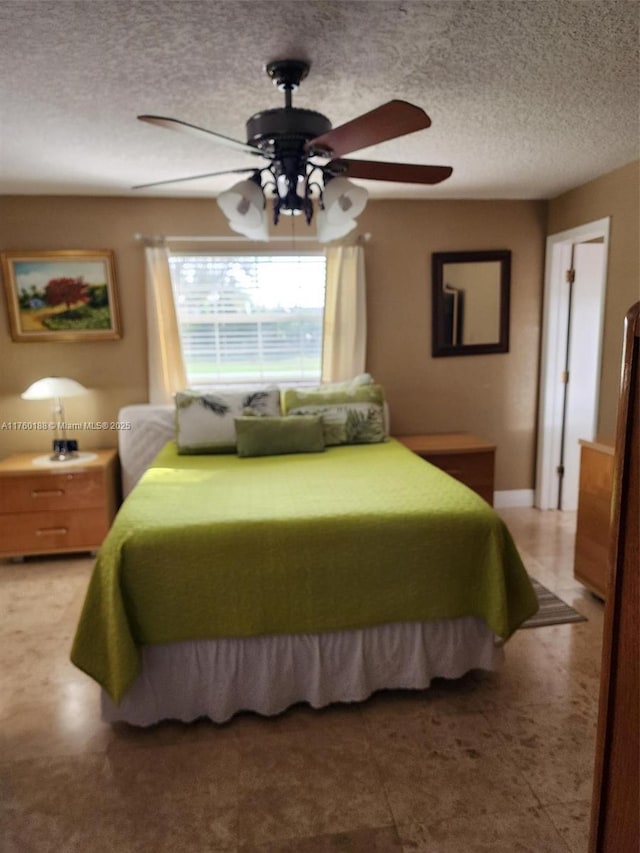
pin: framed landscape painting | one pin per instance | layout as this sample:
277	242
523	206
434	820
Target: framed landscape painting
61	296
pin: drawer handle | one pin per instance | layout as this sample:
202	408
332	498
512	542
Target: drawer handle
47	493
51	531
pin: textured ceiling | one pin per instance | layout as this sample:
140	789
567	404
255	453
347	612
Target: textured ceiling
527	97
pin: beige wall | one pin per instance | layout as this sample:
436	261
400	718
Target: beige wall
493	395
617	195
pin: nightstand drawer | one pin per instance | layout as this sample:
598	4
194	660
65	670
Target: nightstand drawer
474	469
464	456
36	492
48	532
57	507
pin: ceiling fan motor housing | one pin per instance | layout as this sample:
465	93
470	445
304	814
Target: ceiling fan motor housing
282	130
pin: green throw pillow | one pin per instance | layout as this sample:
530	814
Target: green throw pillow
274	436
350	416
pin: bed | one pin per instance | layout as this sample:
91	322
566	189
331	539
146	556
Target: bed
230	584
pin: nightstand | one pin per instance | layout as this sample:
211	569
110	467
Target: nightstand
56	507
464	456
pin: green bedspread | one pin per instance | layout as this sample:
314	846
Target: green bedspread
219	546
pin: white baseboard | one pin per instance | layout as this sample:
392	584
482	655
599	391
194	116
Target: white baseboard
514	497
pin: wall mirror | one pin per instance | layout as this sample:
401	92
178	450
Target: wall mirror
470	302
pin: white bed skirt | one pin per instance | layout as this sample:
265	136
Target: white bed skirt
218	678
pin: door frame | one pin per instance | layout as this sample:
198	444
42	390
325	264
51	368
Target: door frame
554	341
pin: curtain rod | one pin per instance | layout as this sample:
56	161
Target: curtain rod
148	238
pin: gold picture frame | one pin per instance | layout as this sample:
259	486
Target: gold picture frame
61	296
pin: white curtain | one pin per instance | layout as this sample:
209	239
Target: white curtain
345	315
166	366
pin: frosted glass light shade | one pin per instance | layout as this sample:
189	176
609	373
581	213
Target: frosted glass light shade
343	200
260	232
327	231
53	386
243	203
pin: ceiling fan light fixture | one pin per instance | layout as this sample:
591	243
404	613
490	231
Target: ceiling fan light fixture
289	139
327	231
259	234
292	194
243	203
343	199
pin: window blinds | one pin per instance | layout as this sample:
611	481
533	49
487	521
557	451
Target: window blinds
249	317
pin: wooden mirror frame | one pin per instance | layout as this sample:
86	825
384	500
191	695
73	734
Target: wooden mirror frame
439	344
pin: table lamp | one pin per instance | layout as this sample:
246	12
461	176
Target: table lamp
55	388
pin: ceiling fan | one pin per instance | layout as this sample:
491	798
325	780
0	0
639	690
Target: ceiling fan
305	157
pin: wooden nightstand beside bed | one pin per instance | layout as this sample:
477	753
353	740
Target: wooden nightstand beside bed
56	507
462	455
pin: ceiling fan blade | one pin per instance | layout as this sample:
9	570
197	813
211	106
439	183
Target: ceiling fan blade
192	178
403	173
203	133
388	121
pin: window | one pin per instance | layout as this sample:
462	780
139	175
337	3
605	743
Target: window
249	317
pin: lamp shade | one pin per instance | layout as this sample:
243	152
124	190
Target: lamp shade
327	231
260	232
343	200
243	204
53	386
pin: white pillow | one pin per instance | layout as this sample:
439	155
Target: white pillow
205	420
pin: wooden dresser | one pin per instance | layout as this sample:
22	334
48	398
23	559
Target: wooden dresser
462	455
591	559
615	812
58	507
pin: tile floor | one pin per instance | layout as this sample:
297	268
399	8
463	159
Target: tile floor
494	762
